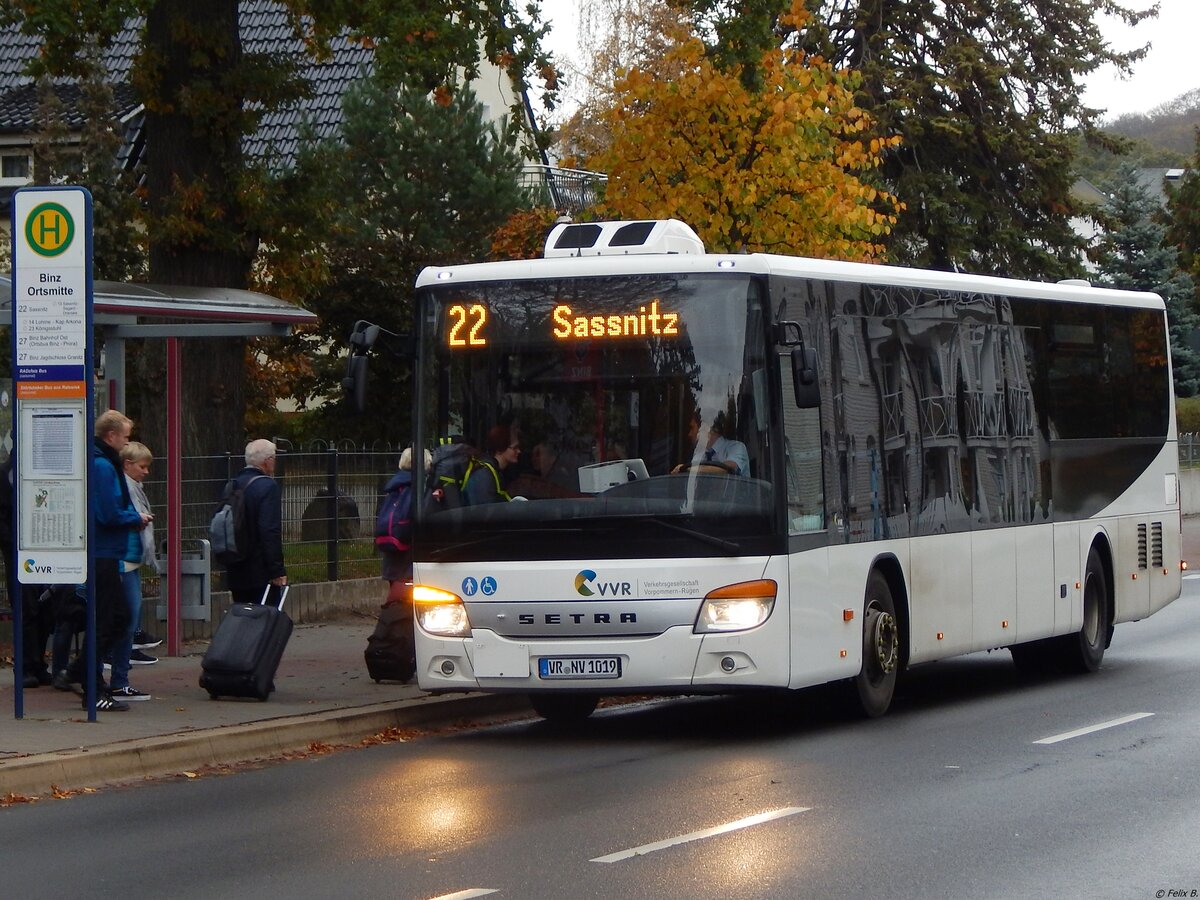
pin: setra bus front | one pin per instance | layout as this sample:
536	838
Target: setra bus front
621	528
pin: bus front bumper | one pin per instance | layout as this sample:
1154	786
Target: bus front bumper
676	661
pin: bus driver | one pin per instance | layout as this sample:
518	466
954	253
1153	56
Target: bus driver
722	455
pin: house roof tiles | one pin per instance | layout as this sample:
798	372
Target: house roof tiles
265	28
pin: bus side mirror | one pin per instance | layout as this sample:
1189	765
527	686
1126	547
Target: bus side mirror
355	382
363	337
804	377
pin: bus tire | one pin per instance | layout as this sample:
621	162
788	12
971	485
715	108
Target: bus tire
1084	650
563	708
876	682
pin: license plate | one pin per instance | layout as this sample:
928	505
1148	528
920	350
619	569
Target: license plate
579	667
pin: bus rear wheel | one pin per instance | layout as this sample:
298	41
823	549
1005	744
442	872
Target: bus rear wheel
1081	651
876	683
1084	650
563	708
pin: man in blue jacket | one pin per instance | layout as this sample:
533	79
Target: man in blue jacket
117	522
263	563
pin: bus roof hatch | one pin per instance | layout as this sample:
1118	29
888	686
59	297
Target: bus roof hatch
622	238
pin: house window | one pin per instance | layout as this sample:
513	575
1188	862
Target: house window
14	168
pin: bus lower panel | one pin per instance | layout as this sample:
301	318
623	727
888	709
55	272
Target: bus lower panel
675	661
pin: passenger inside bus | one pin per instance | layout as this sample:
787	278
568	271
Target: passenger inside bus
484	484
548	476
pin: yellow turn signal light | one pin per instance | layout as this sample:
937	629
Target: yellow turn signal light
736	607
423	593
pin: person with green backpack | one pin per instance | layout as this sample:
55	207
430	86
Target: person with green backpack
485	483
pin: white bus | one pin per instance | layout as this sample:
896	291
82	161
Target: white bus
910	465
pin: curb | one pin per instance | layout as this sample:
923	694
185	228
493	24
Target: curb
70	770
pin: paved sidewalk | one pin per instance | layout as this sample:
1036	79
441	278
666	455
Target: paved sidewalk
322	693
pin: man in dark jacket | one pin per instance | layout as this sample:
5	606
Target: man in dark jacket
263	563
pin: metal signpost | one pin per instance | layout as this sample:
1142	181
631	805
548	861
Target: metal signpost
52	379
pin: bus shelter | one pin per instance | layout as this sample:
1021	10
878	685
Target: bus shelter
173	313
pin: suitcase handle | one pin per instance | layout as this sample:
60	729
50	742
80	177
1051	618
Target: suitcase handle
283	592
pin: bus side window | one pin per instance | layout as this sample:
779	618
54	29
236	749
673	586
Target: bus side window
802	461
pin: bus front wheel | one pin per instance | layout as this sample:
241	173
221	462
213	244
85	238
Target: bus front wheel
563	708
876	683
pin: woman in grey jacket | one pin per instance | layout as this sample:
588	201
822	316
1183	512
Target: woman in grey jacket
136	459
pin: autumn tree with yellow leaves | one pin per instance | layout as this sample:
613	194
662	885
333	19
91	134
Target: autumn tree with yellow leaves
782	168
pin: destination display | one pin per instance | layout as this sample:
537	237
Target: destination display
469	326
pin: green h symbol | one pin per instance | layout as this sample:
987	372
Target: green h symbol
48	225
49	229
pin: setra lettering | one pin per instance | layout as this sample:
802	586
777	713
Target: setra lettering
600	618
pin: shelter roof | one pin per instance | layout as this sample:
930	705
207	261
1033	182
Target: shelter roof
117	301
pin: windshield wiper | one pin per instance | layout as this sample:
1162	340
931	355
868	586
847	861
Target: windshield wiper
473	542
462	545
720	543
730	547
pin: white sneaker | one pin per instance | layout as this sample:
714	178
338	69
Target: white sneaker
128	693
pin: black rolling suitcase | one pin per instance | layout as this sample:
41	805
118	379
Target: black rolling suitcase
391	654
244	654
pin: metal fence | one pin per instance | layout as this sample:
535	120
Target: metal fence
566	190
330	494
1189	450
329	500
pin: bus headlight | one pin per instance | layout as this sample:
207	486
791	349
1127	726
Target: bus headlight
440	612
737	607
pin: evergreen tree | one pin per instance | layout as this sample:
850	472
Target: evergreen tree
1183	208
412	183
1135	255
986	98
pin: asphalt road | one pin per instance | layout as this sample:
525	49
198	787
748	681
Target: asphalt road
978	784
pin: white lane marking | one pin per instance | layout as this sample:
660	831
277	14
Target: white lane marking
703	833
1079	732
467	894
1191	576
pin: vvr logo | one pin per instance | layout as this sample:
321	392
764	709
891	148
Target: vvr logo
587	586
32	567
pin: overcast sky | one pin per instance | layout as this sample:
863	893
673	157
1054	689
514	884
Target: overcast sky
1168	70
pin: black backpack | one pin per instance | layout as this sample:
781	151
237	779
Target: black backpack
228	532
448	474
391	653
66	605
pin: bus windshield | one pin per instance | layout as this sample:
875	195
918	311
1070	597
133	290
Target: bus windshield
625	415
